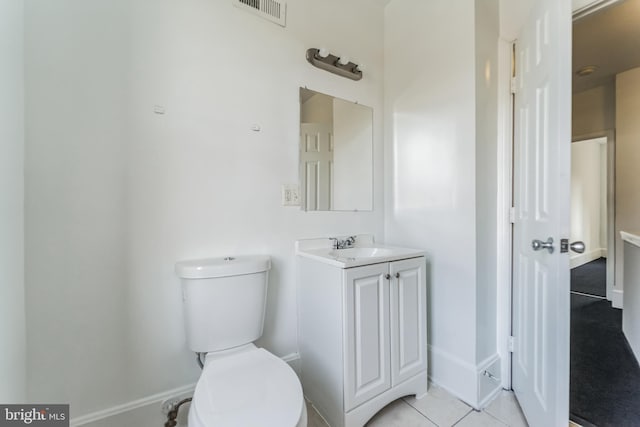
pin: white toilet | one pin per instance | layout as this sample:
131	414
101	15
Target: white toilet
240	385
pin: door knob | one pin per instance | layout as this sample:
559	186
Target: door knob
577	247
538	245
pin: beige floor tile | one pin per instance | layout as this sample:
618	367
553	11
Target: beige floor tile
440	406
399	414
479	419
505	407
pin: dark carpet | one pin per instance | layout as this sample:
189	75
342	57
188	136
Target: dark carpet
605	376
590	278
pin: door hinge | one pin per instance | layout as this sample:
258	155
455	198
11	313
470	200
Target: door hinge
512	215
511	344
513	85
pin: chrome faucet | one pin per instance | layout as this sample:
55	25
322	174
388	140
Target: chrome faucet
343	243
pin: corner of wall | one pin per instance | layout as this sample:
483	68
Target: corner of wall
453	374
475	385
489	380
488	208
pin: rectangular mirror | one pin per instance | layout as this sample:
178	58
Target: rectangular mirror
336	153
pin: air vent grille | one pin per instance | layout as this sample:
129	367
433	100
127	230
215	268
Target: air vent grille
272	10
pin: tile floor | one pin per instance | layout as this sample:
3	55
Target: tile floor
440	409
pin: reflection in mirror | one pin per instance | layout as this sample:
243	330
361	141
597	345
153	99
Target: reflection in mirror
336	153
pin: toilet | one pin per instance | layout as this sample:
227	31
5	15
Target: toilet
241	385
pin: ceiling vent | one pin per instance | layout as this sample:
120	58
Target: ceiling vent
272	10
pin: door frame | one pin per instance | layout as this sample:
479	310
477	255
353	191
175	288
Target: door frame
505	204
505	191
592	7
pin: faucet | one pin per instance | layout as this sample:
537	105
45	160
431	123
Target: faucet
343	243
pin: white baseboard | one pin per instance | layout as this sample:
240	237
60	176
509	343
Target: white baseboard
488	387
617	298
157	399
456	376
577	260
131	406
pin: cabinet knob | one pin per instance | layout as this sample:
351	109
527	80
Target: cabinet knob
397	275
387	276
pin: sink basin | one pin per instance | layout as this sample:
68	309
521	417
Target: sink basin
365	252
362	252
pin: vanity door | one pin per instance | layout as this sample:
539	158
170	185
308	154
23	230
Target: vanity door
408	318
366	336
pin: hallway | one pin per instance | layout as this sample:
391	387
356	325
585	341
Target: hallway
605	376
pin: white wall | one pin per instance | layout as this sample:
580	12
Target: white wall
486	39
430	164
589	199
627	161
12	306
434	177
116	194
631	312
76	222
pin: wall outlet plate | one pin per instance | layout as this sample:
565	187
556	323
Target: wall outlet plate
290	195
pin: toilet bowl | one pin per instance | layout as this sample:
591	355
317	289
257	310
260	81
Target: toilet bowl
241	385
250	387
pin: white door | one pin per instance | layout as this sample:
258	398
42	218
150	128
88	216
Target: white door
408	319
367	364
316	156
542	164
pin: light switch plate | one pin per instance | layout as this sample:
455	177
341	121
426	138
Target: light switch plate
290	195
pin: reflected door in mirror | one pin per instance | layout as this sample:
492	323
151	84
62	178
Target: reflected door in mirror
316	158
336	153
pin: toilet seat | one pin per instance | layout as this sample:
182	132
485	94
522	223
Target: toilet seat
250	388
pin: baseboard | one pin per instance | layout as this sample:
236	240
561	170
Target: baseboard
131	406
577	260
489	386
617	298
456	376
292	359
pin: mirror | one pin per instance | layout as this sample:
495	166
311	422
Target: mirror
336	153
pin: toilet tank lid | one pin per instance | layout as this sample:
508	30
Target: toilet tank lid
223	266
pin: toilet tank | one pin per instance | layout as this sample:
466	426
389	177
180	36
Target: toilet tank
224	300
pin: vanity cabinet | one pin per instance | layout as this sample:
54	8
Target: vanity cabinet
362	336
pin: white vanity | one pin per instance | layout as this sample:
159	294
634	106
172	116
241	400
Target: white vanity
362	327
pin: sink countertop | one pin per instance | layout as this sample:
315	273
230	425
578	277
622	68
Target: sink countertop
322	250
633	238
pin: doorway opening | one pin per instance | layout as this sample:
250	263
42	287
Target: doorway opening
592	216
604	373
